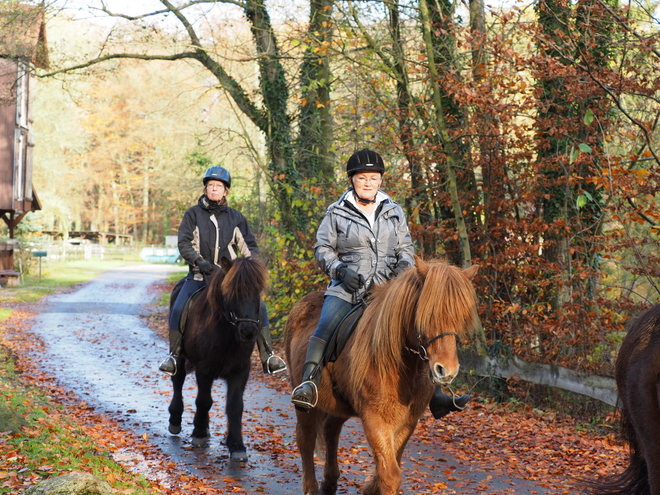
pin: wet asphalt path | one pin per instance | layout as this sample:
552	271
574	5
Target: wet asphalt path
99	348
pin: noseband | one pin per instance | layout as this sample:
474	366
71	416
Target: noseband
422	352
234	320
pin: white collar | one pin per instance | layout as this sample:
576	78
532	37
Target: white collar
380	197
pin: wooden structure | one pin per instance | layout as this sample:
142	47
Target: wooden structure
22	47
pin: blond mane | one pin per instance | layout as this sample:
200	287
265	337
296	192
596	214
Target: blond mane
431	298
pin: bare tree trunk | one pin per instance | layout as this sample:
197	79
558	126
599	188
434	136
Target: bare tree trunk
445	141
315	137
418	199
145	205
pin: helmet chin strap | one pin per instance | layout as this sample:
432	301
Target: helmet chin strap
362	200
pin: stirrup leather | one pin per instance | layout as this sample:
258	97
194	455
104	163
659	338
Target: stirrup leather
305	404
269	370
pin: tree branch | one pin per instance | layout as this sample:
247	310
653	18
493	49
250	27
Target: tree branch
105	58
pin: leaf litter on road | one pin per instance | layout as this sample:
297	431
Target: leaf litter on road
522	442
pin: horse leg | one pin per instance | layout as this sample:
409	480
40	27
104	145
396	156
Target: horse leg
402	437
176	404
203	404
646	420
331	430
307	425
381	437
234	412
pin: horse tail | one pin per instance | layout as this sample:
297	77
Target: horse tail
634	480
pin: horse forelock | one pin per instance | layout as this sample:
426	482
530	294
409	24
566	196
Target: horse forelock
247	277
447	302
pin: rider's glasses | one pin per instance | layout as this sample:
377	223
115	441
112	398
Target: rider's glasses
367	180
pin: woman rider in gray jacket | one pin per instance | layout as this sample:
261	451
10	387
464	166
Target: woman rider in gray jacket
210	230
362	241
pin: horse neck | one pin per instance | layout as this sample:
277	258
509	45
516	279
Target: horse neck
385	331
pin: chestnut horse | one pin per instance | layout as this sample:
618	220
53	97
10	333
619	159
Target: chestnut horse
218	339
637	375
405	342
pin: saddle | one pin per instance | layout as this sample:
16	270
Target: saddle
179	313
342	333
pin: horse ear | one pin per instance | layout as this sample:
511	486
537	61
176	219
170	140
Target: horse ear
471	271
422	267
226	263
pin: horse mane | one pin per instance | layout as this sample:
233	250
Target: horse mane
435	297
245	278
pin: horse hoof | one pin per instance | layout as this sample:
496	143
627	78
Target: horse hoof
199	442
238	456
174	429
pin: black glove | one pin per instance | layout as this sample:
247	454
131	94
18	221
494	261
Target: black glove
351	279
204	266
400	268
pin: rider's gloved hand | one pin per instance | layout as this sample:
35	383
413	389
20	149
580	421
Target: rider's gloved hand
204	266
351	279
400	268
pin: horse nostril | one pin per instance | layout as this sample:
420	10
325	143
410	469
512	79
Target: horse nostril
439	370
249	332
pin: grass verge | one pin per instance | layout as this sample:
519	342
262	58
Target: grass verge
62	435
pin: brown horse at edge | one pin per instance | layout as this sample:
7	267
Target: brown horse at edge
637	373
404	344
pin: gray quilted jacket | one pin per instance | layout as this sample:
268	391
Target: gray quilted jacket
346	237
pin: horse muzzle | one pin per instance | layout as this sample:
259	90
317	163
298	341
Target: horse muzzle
247	331
440	375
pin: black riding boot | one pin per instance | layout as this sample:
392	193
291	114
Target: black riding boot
442	404
169	364
306	395
270	362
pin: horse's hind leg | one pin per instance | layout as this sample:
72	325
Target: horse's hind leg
234	412
176	404
203	404
331	429
646	420
306	432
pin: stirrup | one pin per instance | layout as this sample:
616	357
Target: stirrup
276	361
301	402
168	365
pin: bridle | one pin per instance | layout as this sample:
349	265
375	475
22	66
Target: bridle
234	320
422	352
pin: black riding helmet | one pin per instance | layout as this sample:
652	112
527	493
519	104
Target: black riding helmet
365	160
216	172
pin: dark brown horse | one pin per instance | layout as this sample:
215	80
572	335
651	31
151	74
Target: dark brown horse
638	381
405	342
218	340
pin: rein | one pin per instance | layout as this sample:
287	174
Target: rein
422	352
